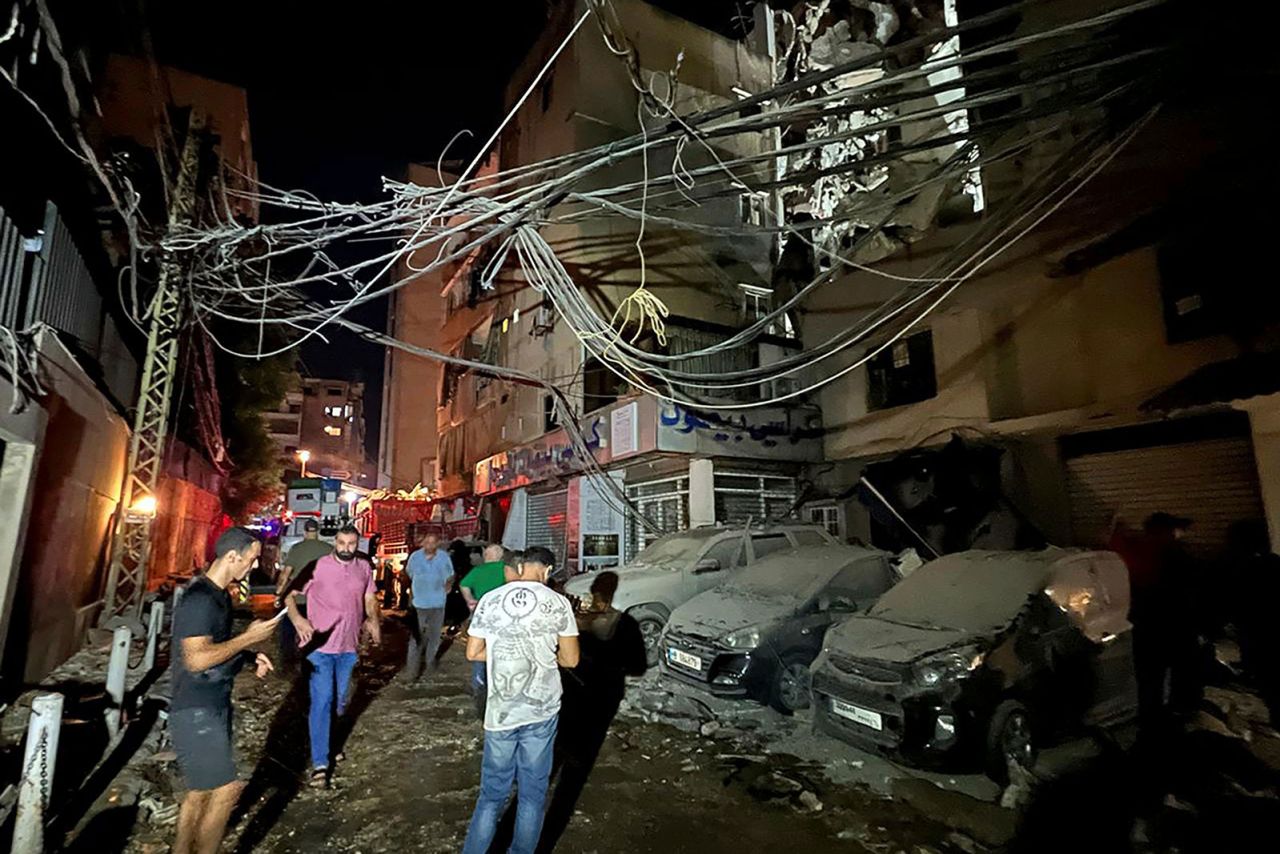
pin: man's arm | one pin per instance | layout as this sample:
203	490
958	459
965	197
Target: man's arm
472	601
200	653
373	617
282	582
567	653
300	623
477	650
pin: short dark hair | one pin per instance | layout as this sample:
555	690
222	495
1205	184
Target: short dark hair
311	525
539	554
235	540
512	557
348	529
605	585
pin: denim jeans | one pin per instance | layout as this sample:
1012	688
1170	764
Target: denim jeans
330	681
521	756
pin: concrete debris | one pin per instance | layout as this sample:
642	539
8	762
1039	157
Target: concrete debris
710	728
810	802
964	843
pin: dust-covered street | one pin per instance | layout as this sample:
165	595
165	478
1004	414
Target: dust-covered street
412	769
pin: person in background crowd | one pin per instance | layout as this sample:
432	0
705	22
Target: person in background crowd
522	630
299	563
207	661
489	575
430	571
341	600
1165	621
1255	577
611	649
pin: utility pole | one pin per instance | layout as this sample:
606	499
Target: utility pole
131	545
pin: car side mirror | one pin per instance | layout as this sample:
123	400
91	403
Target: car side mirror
707	564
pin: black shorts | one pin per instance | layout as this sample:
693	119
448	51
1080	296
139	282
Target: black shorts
202	740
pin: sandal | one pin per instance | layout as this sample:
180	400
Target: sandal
319	778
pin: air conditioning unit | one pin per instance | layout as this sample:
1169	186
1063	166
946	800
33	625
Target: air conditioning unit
544	321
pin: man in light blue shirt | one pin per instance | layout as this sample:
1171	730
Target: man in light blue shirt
430	571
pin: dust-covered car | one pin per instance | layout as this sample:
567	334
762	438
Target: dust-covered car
979	658
674	568
755	636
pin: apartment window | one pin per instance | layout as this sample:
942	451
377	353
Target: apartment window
333	411
757	302
902	373
333	391
600	385
295	408
550	418
828	516
330	430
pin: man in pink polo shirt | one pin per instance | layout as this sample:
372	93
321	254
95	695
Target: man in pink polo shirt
341	600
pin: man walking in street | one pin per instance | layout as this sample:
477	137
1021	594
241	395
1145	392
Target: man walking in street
522	630
206	662
430	571
489	575
341	599
299	563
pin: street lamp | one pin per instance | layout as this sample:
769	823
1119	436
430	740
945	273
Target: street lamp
304	456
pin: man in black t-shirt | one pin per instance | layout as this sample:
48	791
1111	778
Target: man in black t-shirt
206	659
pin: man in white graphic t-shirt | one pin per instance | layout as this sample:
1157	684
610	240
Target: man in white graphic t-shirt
525	632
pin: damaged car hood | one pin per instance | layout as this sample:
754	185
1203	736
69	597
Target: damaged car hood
868	637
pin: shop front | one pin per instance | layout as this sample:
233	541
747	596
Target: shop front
676	467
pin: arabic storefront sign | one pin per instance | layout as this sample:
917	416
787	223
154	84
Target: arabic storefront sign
631	425
779	434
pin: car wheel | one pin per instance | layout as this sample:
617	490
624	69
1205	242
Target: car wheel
1010	738
791	685
651	625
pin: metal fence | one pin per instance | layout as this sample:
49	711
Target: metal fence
62	292
12	260
44	279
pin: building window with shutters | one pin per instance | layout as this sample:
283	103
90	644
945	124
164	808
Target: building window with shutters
826	515
665	503
741	498
902	373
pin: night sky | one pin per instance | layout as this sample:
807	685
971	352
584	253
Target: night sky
341	95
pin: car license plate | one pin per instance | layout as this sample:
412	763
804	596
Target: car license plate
684	659
857	714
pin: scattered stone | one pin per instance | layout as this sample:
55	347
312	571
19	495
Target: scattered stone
710	728
964	843
810	801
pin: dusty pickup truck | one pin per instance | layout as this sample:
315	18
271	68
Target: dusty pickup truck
755	636
674	568
978	658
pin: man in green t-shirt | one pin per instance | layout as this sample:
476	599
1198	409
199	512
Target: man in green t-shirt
489	575
298	565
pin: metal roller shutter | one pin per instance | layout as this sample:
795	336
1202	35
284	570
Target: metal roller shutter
1213	482
546	525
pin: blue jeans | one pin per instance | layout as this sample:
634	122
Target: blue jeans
523	756
330	680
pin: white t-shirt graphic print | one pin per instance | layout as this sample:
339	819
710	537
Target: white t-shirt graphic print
522	623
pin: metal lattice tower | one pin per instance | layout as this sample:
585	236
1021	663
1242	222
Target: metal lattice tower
131	546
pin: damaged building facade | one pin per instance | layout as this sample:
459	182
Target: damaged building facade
1115	360
498	443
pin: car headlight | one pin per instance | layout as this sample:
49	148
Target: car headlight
748	638
955	664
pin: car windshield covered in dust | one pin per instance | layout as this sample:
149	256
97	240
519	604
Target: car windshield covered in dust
678	566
